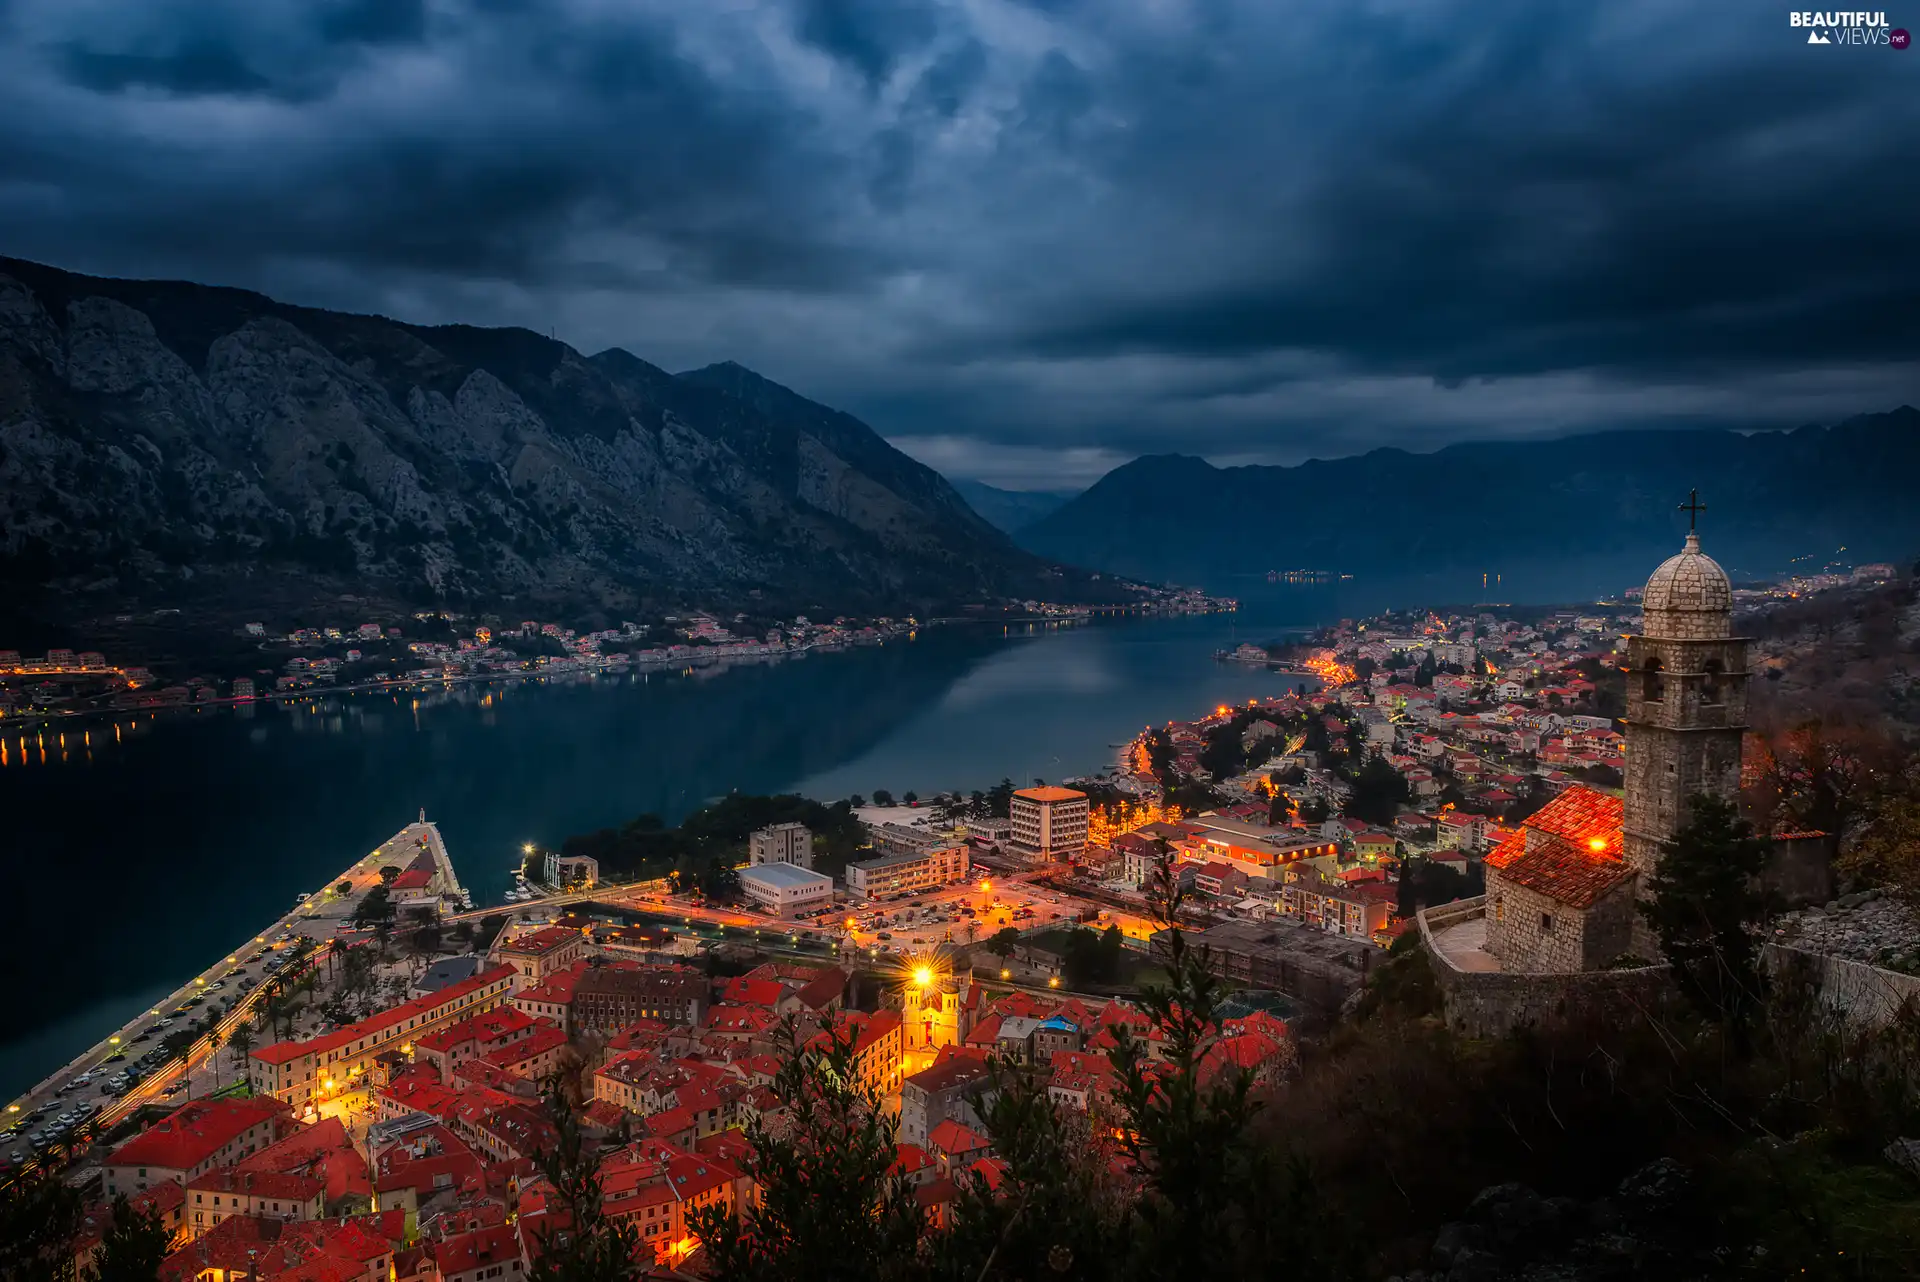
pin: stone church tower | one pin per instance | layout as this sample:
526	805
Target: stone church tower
1686	701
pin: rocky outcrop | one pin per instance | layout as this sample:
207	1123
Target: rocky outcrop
153	433
1863	926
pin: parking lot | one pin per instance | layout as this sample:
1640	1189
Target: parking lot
968	913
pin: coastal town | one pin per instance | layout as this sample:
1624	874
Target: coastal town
375	1085
430	648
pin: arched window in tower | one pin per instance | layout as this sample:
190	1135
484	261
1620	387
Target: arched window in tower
1653	684
1711	693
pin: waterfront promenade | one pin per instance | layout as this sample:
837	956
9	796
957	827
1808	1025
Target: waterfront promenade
234	985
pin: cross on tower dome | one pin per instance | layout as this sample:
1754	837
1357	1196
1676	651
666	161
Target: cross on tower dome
1693	507
1689	595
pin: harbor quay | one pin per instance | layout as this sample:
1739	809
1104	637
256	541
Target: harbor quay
148	1061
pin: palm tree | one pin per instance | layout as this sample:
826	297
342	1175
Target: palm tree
240	1042
336	947
214	1042
270	1007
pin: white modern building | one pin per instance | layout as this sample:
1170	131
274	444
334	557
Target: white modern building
908	874
781	844
785	889
1049	824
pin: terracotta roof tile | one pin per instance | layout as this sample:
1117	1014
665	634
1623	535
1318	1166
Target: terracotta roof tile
1563	871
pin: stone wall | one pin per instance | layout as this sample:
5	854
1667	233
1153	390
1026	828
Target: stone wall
1530	932
1868	994
1494	1003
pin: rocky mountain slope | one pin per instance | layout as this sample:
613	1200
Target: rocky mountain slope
1011	510
1603	502
161	440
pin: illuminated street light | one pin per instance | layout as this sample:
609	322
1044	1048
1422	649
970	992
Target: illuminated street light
922	975
114	1040
1006	974
1053	981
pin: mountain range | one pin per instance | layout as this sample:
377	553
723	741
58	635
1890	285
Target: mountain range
161	440
1011	510
1593	508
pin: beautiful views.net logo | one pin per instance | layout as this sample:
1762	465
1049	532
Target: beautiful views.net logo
1837	28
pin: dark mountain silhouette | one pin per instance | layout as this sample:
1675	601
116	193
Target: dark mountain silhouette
1601	504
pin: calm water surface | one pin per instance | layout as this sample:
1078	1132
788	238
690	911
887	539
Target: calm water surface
139	852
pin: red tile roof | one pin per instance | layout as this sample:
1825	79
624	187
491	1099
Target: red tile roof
324	1151
541	941
557	987
823	989
540	1042
1562	871
273	1184
744	990
193	1133
488	1027
909	1159
951	1138
1580	814
286	1052
469	1251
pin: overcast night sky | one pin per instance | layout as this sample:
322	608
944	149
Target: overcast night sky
1027	241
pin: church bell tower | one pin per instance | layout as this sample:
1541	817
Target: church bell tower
1686	699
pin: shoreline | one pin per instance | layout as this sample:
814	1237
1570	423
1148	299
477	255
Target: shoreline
699	657
121	1040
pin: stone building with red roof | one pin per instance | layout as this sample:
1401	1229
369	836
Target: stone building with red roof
299	1071
1560	892
539	953
193	1140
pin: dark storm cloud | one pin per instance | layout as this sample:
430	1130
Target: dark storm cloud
374	21
869	35
1030	238
1533	231
207	67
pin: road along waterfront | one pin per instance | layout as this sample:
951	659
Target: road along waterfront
278	953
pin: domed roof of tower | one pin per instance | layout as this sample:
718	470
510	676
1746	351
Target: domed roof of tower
1689	595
